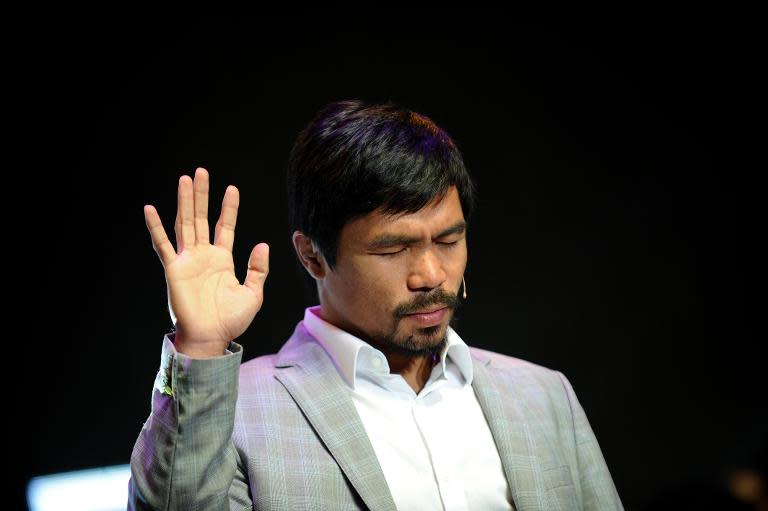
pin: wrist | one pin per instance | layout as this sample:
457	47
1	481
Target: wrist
197	349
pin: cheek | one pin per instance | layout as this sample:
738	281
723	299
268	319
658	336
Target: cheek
375	282
377	271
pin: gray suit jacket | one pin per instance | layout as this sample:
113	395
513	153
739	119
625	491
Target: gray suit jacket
280	432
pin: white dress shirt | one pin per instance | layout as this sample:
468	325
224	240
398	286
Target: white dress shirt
434	447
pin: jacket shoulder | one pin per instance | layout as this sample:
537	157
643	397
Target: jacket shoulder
519	369
500	360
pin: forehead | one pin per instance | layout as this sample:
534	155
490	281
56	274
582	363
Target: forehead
431	219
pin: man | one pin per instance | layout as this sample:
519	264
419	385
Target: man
375	402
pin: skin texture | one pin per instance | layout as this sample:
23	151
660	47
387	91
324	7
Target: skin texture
369	293
208	305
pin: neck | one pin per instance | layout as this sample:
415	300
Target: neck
415	370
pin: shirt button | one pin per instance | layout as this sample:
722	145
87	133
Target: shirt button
376	362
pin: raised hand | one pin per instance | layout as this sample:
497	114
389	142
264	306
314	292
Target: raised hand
207	303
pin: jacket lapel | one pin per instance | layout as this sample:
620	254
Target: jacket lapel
508	420
314	383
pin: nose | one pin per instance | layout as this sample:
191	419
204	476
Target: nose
427	272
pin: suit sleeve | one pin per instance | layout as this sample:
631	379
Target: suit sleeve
598	491
184	457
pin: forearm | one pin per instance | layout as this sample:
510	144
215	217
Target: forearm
184	457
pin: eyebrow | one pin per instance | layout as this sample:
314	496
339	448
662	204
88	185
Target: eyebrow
389	240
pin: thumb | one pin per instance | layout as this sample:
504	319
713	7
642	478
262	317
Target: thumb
258	267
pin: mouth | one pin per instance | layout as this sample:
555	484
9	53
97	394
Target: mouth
428	311
429	317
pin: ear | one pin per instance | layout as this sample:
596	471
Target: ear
309	255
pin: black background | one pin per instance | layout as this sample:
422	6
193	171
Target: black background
616	237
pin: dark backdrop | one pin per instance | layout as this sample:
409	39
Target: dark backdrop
615	239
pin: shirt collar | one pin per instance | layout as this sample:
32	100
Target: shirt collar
352	355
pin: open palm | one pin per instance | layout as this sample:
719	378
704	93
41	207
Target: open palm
207	303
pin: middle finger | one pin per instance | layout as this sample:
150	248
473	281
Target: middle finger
201	206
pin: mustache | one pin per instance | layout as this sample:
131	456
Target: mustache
439	297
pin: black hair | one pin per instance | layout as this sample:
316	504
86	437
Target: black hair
354	158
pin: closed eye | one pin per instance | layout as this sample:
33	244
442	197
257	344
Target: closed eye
446	243
389	253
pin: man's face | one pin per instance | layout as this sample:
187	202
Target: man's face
388	268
